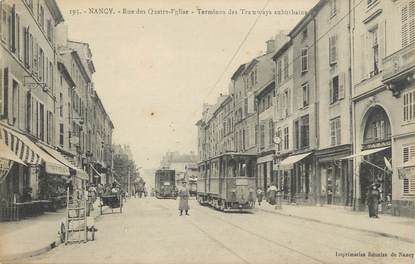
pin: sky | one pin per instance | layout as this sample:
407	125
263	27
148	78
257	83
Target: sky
154	72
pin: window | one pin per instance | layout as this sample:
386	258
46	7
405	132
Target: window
262	135
374	52
408	23
279	71
271	132
285	66
408	155
15	102
49	31
333	8
61	105
286	139
333	49
335	131
337	88
305	94
304	60
4	25
49	127
409	106
51	75
26	46
41	18
301	133
296	138
41	122
305	132
41	65
29	112
279	134
61	134
17	35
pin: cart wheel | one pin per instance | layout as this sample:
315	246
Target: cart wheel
62	233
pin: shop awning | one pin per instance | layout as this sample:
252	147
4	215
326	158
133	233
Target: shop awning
288	163
266	158
365	152
82	174
58	156
30	153
97	174
6	153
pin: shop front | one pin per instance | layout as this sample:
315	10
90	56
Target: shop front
28	186
334	177
265	171
294	177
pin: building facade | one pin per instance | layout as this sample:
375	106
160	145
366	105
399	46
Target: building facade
45	92
383	103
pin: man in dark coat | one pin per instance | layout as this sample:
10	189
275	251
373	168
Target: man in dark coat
184	199
373	198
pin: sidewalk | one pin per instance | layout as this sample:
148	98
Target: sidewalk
32	236
401	228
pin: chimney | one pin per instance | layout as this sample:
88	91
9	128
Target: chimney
270	45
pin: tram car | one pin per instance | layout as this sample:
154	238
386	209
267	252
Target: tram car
165	183
227	182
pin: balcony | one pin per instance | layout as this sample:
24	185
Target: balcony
399	69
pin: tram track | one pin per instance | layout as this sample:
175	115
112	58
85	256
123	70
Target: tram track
292	249
275	243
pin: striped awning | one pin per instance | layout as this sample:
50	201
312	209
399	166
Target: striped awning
26	150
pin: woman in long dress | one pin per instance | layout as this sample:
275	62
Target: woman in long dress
184	199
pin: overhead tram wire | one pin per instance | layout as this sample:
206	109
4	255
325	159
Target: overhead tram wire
295	58
233	56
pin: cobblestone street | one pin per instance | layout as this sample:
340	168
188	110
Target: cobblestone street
150	231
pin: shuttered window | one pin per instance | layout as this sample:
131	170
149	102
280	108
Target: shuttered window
408	153
335	131
408	23
333	49
304	60
409	106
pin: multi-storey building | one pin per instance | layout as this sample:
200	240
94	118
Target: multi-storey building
45	86
283	112
28	96
384	102
333	174
260	86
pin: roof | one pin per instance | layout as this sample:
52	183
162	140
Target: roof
238	71
265	89
297	28
282	49
62	68
80	65
55	11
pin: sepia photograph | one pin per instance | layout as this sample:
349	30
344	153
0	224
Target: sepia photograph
207	131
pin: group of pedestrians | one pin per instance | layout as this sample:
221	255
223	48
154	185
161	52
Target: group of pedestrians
272	195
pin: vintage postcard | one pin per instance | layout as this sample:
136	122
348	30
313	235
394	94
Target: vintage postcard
195	131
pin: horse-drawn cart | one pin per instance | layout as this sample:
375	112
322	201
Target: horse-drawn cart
113	201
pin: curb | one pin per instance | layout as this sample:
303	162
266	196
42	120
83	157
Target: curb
35	252
400	238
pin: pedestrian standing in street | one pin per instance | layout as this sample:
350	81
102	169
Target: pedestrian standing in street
259	195
373	198
184	199
272	194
